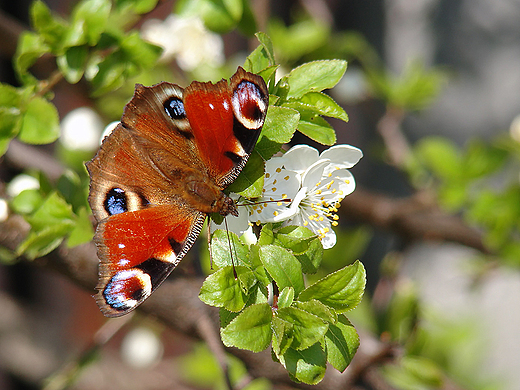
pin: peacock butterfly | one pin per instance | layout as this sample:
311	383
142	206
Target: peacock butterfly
159	174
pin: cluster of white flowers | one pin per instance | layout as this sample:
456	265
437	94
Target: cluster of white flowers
185	39
303	188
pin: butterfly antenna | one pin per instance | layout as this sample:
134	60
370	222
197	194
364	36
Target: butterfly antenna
233	249
209	243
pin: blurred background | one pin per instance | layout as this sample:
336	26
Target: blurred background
432	93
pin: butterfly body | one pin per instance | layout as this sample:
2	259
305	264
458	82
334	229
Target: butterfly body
161	172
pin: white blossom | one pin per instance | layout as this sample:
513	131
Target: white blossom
80	129
21	183
185	39
303	188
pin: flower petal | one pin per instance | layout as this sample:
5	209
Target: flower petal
299	158
342	156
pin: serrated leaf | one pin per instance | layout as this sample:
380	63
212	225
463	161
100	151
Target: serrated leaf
40	123
83	231
221	289
250	330
251	180
317	129
286	297
283	267
342	342
282	335
318	309
53	211
315	76
280	124
306	327
304	244
307	366
268	74
341	290
320	104
223	255
257	266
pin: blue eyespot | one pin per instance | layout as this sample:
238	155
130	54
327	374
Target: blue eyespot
175	108
115	201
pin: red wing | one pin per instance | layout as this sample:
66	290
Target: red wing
226	120
138	250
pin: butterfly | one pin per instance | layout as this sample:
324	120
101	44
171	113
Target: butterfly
161	172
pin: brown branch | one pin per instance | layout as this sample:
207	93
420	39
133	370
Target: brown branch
415	218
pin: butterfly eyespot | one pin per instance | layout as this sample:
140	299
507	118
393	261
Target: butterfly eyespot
116	201
174	107
127	288
249	105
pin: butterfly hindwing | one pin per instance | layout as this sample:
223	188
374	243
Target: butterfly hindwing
139	249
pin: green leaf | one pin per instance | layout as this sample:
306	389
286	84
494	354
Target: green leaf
247	24
316	128
307	328
38	244
223	255
307	366
286	297
108	73
315	76
279	127
82	232
441	156
10	111
53	211
342	342
341	290
250	330
219	16
221	289
318	309
280	124
257	266
282	335
320	104
40	123
250	182
49	225
299	39
304	244
27	201
140	52
31	46
414	372
72	64
89	21
137	6
50	27
283	267
266	43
